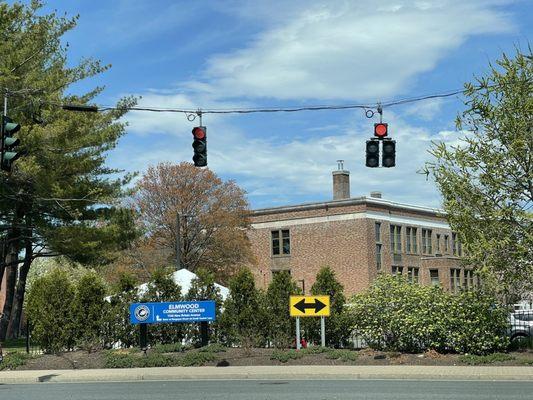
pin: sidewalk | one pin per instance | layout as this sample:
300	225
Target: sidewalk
271	372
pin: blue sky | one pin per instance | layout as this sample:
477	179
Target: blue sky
226	54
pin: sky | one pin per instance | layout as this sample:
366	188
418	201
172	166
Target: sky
248	54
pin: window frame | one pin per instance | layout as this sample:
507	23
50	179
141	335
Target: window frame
431	278
396	238
280	242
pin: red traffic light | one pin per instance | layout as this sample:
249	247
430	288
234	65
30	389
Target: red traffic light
199	132
380	130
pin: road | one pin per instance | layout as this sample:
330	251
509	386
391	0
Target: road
268	389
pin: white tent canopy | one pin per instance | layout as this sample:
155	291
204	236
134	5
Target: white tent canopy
184	278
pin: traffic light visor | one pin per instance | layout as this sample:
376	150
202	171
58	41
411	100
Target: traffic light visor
380	130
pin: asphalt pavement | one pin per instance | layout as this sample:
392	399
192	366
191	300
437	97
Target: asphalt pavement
273	389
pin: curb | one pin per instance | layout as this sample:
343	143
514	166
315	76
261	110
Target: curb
271	372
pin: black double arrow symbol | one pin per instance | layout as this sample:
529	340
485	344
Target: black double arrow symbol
302	305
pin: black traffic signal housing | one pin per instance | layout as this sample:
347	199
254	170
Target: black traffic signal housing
372	153
8	143
200	146
388	158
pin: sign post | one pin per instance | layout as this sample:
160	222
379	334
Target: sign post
322	331
310	306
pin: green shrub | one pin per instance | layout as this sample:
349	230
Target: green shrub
162	288
14	360
196	359
244	318
342	355
473	359
286	355
399	316
116	359
50	308
168	348
213	348
281	326
337	333
90	308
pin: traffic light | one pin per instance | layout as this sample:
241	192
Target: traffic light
372	153
200	146
9	155
388	159
381	130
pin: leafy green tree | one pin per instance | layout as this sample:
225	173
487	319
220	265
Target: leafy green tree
51	312
336	325
89	310
117	326
486	180
60	198
281	326
203	288
394	314
162	288
243	320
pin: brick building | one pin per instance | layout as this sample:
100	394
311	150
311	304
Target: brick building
357	237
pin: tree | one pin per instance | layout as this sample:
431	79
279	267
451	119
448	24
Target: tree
336	324
212	217
89	308
203	288
60	197
281	327
50	308
243	320
486	181
162	288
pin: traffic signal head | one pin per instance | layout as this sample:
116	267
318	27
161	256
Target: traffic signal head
200	146
389	153
372	153
9	155
380	130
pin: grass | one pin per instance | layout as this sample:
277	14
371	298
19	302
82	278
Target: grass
169	348
213	348
342	355
196	359
472	359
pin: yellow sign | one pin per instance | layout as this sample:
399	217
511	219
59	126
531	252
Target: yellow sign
309	306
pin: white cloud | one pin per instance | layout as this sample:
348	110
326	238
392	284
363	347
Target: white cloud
348	50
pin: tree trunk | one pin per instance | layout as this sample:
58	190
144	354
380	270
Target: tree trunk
11	280
14	326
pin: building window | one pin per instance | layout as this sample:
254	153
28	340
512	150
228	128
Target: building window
397	270
378	232
396	239
378	256
411	242
446	244
456	245
434	277
281	242
412	274
455	279
468	282
426	241
437	239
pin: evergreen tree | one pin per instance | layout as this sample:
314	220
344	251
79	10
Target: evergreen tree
281	326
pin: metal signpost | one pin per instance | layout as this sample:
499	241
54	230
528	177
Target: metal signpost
172	312
310	306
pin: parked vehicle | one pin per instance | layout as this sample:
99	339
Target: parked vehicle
521	324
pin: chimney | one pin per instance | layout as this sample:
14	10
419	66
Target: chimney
375	195
341	182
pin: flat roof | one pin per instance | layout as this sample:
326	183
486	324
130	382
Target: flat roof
348	202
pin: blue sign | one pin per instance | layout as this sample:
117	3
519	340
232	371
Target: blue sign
179	311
